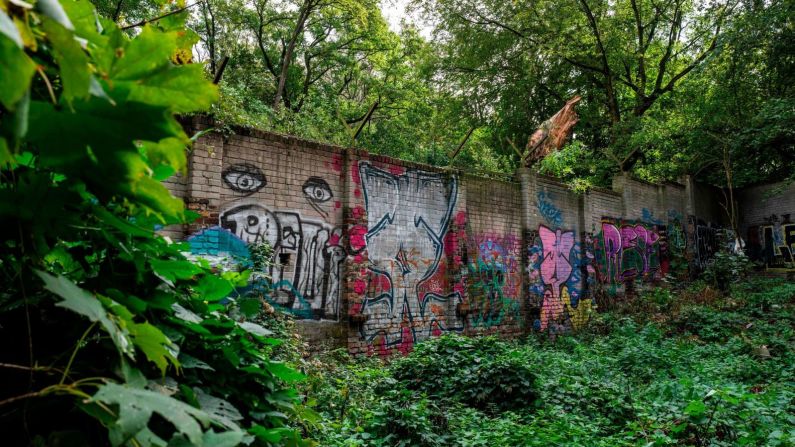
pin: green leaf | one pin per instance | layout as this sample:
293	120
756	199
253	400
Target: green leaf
225	439
148	52
124	226
695	408
72	60
189	362
174	270
86	304
185	314
65	136
212	439
255	329
16	72
183	88
249	306
85	20
285	372
154	344
136	407
213	288
221	411
266	434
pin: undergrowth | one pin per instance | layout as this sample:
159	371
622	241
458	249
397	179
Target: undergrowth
695	367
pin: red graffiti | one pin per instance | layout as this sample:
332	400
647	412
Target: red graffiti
359	286
460	218
336	162
355	173
357	238
396	169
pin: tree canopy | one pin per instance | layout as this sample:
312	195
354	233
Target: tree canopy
669	87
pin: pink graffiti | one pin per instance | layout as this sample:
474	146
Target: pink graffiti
450	244
336	162
460	218
359	286
356	237
555	270
629	237
357	212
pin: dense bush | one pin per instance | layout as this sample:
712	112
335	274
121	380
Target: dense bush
697	378
483	373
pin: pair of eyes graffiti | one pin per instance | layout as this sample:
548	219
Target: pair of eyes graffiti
246	179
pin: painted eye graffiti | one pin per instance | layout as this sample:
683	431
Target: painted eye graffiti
244	178
317	191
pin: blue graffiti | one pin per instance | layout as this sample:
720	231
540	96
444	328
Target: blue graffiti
219	242
548	210
648	216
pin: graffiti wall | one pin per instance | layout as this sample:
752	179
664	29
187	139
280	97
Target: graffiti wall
296	216
629	251
558	271
773	243
494	280
493	283
407	295
381	253
768	224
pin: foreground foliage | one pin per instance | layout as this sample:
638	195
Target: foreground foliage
110	335
687	368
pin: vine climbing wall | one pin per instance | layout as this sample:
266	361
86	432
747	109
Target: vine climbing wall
378	254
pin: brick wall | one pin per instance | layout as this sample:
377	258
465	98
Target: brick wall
377	254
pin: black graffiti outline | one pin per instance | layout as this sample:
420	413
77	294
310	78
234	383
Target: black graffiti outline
315	277
314	201
248	173
388	298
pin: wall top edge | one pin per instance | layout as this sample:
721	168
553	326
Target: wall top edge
203	121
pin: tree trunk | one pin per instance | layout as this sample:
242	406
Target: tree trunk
303	15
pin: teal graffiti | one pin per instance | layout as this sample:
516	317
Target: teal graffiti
548	210
490	306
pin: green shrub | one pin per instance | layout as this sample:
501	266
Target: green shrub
726	268
484	373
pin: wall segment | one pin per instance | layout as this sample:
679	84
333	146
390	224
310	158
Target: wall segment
376	254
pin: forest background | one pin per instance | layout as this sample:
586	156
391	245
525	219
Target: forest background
669	87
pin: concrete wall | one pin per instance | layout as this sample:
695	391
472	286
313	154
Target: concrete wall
376	254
